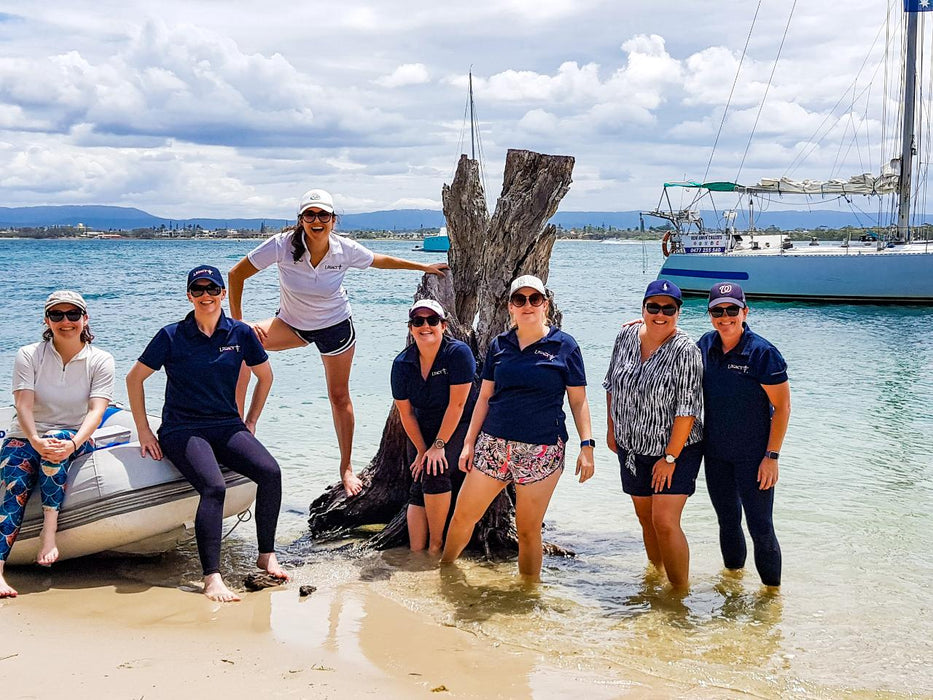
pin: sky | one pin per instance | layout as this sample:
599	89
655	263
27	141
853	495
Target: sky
189	108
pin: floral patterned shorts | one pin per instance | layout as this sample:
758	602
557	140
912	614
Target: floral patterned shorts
521	462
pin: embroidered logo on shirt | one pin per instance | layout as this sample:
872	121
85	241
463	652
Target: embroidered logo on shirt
545	354
738	368
229	348
333	267
439	372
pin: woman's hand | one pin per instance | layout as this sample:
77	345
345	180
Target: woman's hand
250	426
466	457
611	440
261	333
149	443
53	449
417	466
585	466
437	268
767	473
435	461
662	474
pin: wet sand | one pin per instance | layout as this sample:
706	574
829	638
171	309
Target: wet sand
110	628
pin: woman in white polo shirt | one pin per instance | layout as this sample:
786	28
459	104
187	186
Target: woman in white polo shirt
61	388
313	307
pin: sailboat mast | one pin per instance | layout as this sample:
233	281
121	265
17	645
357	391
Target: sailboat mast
472	121
907	132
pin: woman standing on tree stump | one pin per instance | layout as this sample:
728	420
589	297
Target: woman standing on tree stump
518	430
431	382
313	308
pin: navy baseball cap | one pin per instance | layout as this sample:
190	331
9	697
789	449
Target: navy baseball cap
726	293
206	272
664	288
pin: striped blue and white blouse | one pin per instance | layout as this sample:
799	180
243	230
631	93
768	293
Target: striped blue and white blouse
647	396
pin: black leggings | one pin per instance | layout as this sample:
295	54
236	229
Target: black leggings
733	485
196	453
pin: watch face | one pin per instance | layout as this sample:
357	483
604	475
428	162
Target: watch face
670	459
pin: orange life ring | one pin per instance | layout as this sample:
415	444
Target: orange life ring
664	242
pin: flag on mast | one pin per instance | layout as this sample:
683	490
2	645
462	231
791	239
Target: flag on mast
918	5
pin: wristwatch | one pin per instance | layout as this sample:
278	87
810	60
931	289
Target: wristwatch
771	454
439	444
588	443
670	459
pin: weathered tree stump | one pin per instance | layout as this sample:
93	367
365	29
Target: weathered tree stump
485	256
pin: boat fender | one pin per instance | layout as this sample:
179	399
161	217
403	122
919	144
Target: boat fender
664	242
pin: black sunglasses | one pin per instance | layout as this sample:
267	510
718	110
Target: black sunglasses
322	216
419	321
667	309
59	316
519	300
198	290
718	311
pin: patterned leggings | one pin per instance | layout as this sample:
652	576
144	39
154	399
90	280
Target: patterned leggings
21	470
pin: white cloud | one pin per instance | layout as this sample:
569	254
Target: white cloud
407	74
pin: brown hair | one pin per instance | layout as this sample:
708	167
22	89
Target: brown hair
298	238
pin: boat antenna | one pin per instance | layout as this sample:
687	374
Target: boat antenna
907	129
472	119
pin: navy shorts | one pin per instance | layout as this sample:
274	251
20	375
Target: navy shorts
333	340
449	480
683	482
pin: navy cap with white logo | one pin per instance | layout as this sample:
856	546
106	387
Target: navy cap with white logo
206	272
664	288
726	293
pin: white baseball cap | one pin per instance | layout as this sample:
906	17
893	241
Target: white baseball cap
66	296
316	199
527	281
429	304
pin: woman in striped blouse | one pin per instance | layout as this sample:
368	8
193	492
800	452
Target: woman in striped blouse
654	413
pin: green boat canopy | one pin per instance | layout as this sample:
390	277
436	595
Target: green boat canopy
711	186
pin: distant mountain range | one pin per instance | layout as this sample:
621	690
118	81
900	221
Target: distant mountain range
105	218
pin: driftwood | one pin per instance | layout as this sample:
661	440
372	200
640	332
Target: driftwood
485	255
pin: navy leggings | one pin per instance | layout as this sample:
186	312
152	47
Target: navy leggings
732	485
196	453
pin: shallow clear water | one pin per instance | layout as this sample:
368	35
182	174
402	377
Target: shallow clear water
853	504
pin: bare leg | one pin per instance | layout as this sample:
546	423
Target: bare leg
216	589
270	564
274	335
417	527
48	552
650	537
531	502
6	590
337	373
436	508
665	514
477	492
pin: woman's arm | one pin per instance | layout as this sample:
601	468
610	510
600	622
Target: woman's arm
407	415
263	374
235	278
137	395
476	424
610	425
95	413
49	449
779	396
436	458
580	408
387	262
662	473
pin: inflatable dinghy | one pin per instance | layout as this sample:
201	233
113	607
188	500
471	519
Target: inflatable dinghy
116	500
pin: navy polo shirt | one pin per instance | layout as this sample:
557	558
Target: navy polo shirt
429	397
528	402
738	412
202	371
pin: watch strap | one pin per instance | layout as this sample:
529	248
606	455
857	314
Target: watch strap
588	443
771	454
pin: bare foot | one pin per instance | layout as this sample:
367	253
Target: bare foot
351	483
6	590
216	589
269	564
48	551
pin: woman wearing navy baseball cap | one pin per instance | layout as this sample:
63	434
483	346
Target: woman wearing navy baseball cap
654	414
747	396
201	424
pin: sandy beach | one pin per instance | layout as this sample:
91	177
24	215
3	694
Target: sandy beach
99	627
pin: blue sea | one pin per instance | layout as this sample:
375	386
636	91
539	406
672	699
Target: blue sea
853	618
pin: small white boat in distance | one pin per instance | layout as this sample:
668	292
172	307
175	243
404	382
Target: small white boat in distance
118	501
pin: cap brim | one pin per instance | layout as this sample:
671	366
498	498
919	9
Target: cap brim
317	205
726	300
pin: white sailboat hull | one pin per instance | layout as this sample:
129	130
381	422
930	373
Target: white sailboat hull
856	274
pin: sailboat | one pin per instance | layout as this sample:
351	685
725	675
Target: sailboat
896	266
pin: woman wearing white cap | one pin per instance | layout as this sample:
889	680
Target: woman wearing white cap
313	308
518	433
431	383
61	388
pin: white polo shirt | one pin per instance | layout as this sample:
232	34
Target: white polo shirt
311	298
62	391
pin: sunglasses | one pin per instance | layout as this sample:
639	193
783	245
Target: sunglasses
419	321
667	309
519	300
198	291
322	216
59	316
718	311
